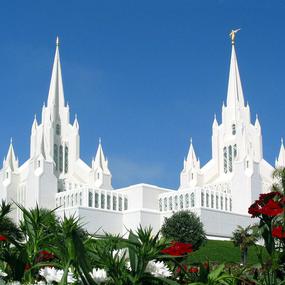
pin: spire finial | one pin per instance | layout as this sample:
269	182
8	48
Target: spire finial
282	140
100	140
233	35
11	140
191	140
57	41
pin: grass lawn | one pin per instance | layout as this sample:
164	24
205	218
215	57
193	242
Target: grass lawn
222	252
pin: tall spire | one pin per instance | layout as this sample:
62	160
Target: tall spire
280	162
235	94
56	94
11	160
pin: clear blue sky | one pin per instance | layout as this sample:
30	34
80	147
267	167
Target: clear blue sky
143	75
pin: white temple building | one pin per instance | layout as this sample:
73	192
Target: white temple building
220	192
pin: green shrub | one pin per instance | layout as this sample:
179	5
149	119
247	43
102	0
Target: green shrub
184	226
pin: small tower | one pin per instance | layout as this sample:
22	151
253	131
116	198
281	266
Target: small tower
101	175
191	168
280	162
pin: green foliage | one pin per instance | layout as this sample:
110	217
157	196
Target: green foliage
184	226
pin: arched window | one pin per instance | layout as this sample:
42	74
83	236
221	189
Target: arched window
55	155
126	203
90	199
222	203
80	198
233	129
66	159
181	201
108	202
102	201
202	199
225	160
76	201
60	158
192	199
207	199
114	203
39	163
231	205
96	200
120	203
230	159
235	150
176	202
212	200
57	129
187	201
160	205
170	204
247	164
165	204
217	202
226	203
72	200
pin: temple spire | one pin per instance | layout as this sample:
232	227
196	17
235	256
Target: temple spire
100	161
235	94
191	160
11	160
56	94
280	162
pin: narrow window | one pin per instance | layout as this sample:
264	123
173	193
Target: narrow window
230	159
96	200
66	159
114	203
58	129
207	200
231	205
80	199
226	203
247	164
120	203
60	158
212	201
55	155
235	150
181	201
192	199
222	203
176	202
90	199
202	199
39	163
187	201
170	203
102	201
160	205
233	129
165	204
225	160
108	202
126	203
217	202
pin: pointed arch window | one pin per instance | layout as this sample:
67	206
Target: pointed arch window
102	201
207	200
96	200
235	150
231	204
120	203
212	200
192	199
170	203
181	201
126	203
230	159
176	202
55	155
187	201
165	204
217	202
226	203
225	160
90	199
66	159
222	203
108	202
160	205
114	203
202	199
61	158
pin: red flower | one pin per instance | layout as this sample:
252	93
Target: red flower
278	232
193	270
178	248
206	265
2	238
271	209
184	266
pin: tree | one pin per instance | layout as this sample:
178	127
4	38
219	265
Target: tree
184	226
244	238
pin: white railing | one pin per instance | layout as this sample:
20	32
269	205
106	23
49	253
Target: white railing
84	196
216	197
